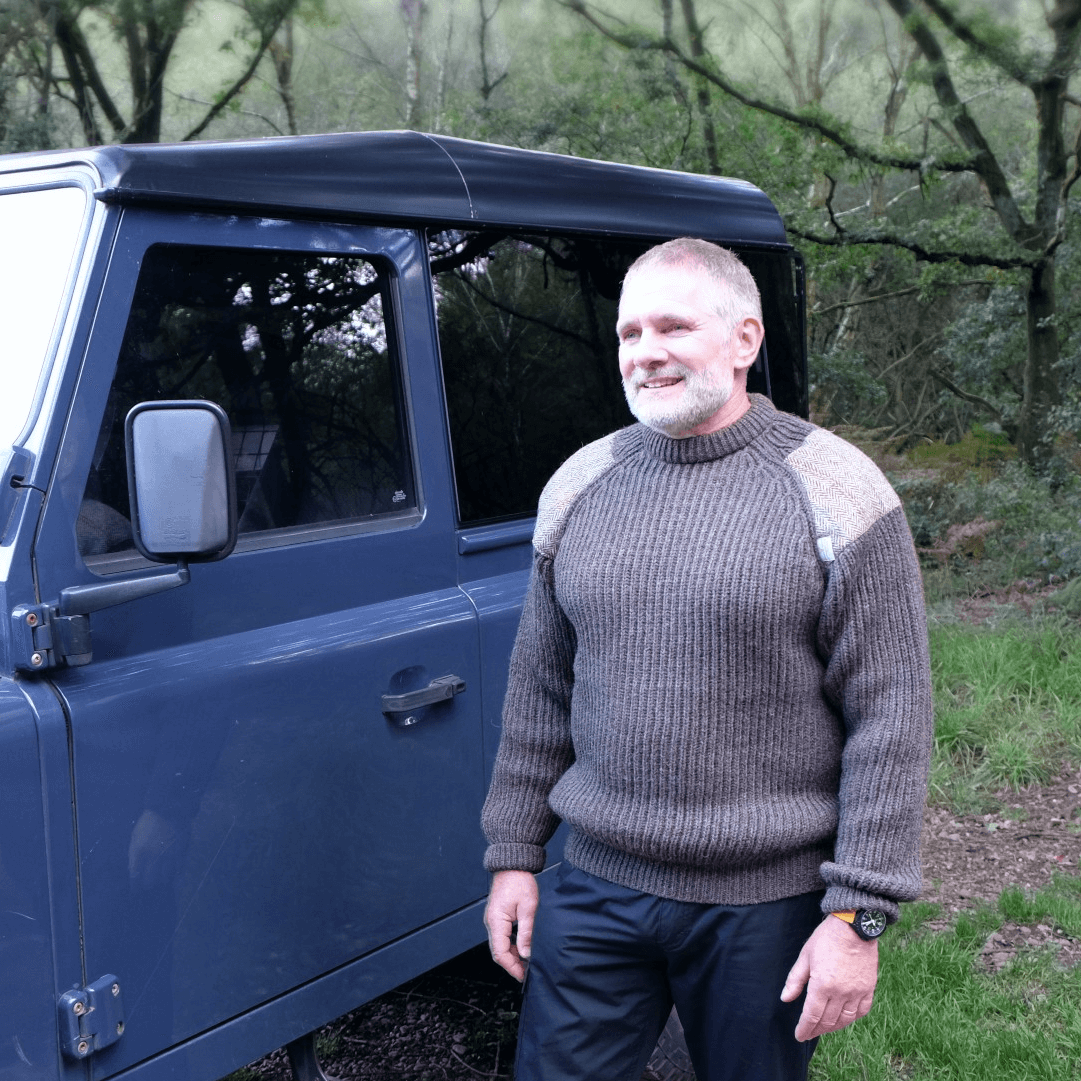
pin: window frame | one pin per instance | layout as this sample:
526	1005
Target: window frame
381	247
790	330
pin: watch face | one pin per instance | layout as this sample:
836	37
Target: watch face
870	922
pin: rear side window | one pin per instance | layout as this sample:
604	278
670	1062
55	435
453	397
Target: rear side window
295	348
527	337
530	366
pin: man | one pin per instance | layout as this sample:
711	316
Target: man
721	684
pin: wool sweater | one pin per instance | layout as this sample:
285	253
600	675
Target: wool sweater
721	679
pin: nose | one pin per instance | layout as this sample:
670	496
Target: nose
646	352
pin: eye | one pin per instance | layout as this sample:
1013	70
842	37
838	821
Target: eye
631	334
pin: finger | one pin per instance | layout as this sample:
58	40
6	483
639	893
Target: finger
797	978
524	937
507	957
499	940
810	1020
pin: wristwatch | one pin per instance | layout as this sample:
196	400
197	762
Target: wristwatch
868	923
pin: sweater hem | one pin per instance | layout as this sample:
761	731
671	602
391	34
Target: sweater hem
772	879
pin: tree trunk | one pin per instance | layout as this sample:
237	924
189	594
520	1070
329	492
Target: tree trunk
281	53
414	12
1041	386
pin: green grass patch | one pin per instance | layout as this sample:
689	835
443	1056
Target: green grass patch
1007	708
981	450
938	1016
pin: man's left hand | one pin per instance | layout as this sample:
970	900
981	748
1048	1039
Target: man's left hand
840	971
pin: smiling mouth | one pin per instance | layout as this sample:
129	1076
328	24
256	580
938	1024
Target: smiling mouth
658	383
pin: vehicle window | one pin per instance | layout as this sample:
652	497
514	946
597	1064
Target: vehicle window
295	349
527	337
40	231
530	367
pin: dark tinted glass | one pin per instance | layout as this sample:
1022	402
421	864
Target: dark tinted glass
294	347
527	334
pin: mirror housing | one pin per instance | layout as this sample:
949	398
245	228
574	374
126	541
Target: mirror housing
181	481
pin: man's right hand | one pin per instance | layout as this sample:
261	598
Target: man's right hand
512	899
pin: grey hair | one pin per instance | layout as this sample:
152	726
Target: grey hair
736	296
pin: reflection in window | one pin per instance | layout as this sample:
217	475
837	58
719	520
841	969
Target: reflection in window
527	337
530	367
294	348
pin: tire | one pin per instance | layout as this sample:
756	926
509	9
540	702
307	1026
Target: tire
670	1060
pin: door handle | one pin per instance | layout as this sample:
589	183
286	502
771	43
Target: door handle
439	690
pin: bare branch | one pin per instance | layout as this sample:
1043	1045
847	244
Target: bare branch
815	312
966	396
265	38
984	162
809	119
928	255
829	206
243	112
965	30
911	353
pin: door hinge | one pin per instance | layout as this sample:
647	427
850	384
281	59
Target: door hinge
48	635
42	638
91	1018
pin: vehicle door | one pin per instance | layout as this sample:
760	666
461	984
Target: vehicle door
256	803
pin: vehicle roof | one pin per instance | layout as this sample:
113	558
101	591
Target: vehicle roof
407	176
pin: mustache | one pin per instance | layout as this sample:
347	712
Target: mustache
669	371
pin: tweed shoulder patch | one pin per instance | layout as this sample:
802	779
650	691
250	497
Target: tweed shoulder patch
847	491
576	474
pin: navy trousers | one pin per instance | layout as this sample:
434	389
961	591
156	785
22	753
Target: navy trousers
608	962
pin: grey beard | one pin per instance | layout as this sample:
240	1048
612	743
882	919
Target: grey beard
703	395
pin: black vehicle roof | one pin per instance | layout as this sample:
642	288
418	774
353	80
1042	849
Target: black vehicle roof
406	176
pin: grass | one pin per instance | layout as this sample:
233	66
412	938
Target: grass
1007	707
939	1016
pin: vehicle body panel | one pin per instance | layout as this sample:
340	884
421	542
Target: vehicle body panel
218	808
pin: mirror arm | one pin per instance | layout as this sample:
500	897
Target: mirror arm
82	600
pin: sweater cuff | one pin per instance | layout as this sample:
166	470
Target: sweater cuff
843	899
512	856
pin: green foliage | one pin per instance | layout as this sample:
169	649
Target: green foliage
843	385
938	1016
1005	708
1034	521
984	347
981	447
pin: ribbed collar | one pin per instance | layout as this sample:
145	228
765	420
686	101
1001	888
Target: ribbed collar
708	448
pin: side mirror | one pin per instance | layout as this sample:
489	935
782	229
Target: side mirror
181	481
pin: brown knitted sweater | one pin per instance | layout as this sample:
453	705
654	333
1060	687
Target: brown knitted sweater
721	678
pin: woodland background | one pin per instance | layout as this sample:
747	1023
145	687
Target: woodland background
924	155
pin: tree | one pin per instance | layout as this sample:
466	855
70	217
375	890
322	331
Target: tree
25	76
76	33
1019	223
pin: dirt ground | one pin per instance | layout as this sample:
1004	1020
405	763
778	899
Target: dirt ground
972	858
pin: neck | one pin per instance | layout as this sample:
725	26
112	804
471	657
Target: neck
729	413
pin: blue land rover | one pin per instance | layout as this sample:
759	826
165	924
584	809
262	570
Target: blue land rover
274	417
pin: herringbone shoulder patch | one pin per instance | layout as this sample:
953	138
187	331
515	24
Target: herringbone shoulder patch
848	492
576	474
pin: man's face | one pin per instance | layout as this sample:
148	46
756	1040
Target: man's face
678	358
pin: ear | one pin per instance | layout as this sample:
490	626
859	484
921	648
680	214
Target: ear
746	341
